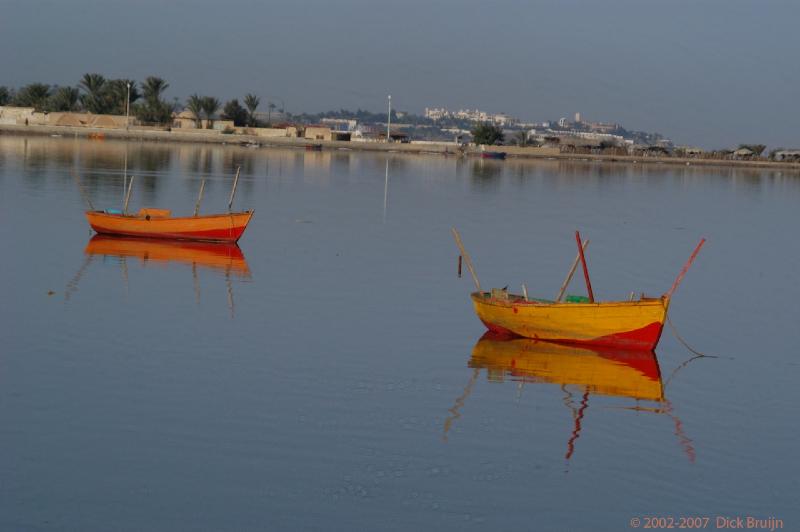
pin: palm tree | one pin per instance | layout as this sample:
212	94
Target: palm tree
521	137
235	112
5	95
94	86
154	109
153	87
195	105
269	114
35	95
210	107
251	101
64	99
117	95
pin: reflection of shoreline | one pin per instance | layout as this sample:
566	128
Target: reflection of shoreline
104	165
432	148
579	372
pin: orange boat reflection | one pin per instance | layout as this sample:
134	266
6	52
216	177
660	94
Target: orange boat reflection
585	370
218	256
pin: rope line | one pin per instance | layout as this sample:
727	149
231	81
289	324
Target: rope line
684	342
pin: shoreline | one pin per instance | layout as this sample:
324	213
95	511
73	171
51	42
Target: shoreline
440	148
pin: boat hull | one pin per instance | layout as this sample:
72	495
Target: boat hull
623	324
227	227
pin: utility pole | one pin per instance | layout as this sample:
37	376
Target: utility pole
389	120
128	107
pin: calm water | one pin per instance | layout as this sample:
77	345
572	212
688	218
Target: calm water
331	377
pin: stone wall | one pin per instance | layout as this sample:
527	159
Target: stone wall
16	115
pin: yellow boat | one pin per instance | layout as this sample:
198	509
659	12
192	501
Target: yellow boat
625	324
620	324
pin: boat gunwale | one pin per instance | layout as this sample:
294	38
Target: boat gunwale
486	298
136	217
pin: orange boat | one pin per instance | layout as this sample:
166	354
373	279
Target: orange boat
159	223
217	256
620	324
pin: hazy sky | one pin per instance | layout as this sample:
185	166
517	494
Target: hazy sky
711	73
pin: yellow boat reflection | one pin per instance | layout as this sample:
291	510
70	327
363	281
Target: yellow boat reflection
599	371
218	256
580	372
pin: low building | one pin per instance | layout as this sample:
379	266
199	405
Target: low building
340	124
186	120
317	133
16	115
399	136
786	155
325	133
689	151
648	151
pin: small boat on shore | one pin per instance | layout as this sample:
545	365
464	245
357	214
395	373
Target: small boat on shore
631	324
159	223
493	154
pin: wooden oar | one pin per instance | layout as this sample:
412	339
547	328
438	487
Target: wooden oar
199	197
466	259
233	190
685	268
572	269
585	268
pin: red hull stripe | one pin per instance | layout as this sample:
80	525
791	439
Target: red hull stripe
644	361
645	338
223	235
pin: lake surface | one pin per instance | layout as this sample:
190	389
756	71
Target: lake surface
331	375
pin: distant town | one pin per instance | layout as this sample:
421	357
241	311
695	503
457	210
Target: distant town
101	104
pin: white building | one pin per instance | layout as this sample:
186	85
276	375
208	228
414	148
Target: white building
340	124
436	113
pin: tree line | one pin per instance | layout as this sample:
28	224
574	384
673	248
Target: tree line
97	94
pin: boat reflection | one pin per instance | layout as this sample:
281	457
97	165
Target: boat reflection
597	371
227	258
580	372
